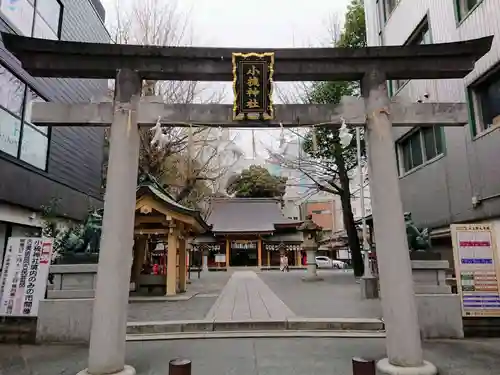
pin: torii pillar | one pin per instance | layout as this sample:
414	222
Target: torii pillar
109	318
403	342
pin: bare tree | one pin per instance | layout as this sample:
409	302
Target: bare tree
187	162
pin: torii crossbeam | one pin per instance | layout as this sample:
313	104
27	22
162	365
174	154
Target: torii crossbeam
352	110
129	65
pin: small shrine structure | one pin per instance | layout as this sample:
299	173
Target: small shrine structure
161	229
249	232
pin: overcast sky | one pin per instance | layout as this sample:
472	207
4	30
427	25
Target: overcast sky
256	23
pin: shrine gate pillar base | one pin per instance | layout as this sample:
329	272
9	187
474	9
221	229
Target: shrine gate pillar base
403	342
109	317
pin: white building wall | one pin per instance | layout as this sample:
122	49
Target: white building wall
462	152
483	21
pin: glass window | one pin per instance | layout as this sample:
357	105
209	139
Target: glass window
421	35
32	97
416	150
42	29
11	92
389	6
34	146
18	136
488	101
50	10
10	132
421	146
19	15
429	143
464	7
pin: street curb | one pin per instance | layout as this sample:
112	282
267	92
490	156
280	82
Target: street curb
255	334
289	324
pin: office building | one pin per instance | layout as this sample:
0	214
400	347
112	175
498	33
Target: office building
39	164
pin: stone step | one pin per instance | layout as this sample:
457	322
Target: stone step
254	334
290	324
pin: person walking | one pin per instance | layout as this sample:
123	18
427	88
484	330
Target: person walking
285	263
282	263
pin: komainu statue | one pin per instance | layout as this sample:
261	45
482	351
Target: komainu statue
83	239
417	239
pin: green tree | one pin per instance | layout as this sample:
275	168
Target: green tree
257	182
337	162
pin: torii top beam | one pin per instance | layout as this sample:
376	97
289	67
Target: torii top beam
49	58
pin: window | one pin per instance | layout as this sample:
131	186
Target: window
47	19
388	7
19	14
41	22
464	7
420	147
321	212
18	136
421	35
486	101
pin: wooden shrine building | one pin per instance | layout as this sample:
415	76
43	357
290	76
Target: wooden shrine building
249	232
161	229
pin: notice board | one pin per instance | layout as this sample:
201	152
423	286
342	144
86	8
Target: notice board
476	267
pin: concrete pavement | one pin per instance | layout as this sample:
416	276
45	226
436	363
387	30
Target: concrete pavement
243	295
313	356
203	291
336	296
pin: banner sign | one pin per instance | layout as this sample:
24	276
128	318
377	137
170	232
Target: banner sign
24	275
476	266
244	245
270	246
252	84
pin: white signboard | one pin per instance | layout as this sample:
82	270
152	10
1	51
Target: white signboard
476	266
24	275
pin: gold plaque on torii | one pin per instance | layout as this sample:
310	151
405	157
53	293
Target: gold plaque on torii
253	86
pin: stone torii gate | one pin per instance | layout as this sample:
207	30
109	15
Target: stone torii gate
129	65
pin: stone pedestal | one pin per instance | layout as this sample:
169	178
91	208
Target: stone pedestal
429	276
439	311
369	287
312	268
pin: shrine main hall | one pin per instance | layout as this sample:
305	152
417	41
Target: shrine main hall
249	232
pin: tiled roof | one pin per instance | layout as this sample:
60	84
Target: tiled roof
148	184
245	215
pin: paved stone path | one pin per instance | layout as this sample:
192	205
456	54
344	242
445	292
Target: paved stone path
312	356
246	296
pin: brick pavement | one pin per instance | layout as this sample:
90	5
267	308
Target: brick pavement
245	297
313	356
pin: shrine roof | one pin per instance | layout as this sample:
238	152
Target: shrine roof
247	215
149	186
